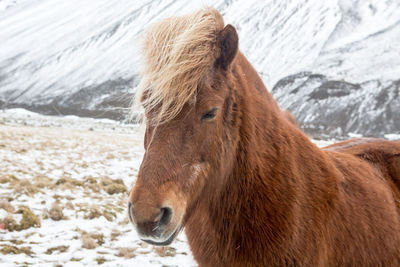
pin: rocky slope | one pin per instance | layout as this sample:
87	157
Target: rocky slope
335	64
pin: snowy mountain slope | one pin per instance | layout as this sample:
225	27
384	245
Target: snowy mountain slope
81	57
336	108
365	44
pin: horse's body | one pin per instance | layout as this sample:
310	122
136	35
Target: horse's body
252	190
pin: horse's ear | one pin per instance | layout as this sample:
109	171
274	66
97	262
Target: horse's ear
228	42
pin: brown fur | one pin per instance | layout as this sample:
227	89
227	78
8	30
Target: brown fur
252	190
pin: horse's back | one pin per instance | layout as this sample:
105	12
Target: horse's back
359	146
381	153
370	182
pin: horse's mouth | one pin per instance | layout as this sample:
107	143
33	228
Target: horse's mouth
163	243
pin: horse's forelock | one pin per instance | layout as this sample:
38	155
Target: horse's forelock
178	52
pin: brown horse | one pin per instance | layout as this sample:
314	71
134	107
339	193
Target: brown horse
223	161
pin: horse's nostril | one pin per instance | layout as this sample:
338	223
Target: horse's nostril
151	224
166	215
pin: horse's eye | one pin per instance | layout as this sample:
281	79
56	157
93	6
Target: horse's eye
209	114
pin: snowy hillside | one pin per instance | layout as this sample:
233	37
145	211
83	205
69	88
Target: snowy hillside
81	57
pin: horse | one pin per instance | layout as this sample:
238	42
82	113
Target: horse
225	163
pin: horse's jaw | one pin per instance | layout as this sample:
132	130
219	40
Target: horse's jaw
166	242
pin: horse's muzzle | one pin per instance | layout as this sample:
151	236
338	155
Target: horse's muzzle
154	229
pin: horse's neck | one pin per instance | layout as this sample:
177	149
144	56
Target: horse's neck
272	168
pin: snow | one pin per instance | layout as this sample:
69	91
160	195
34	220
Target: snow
54	48
32	146
393	137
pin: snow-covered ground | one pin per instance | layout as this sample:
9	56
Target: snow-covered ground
85	166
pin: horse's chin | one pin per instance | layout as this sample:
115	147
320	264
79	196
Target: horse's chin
162	243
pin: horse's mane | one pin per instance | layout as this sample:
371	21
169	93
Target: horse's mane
177	53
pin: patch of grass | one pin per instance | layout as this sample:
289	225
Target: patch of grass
115	189
127	253
88	242
90	180
31	234
114	234
56	212
9	223
21	151
57	197
15	250
69	197
98	237
69	205
94	212
60	249
100	260
110	156
25	186
143	244
97	212
109	215
107	181
43	182
125	221
113	186
165	251
45	214
8	178
29	219
84	165
5	205
91	240
69	182
76	259
94	187
16	242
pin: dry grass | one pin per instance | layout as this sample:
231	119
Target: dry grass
91	240
127	253
5	205
43	182
69	182
116	189
94	212
69	205
8	178
115	233
56	212
15	250
165	251
88	242
100	260
60	249
9	223
29	219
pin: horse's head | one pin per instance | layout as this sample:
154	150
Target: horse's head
192	117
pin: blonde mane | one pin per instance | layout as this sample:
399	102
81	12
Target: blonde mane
178	52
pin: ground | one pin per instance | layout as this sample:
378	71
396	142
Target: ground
64	185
